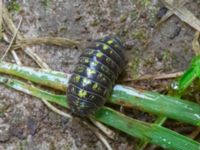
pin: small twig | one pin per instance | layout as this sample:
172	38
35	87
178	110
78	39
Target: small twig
9	23
11	26
49	105
164	18
12	40
17	60
35	57
59	41
195	43
5	38
195	133
170	13
99	135
184	14
158	76
109	133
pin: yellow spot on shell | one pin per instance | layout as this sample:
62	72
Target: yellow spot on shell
72	89
90	51
94	63
86	82
82	93
90	71
86	60
110	41
99	54
77	78
105	47
108	60
80	69
95	86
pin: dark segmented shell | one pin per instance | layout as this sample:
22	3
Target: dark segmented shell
94	75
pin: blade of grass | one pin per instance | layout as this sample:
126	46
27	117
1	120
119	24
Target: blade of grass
54	79
31	90
152	102
186	80
156	103
153	133
189	76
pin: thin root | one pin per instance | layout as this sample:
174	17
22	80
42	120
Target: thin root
11	42
158	76
36	58
108	132
53	108
59	41
17	60
99	135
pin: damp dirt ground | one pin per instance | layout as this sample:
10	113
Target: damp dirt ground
26	123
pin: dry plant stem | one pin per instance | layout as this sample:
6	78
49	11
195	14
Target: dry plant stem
9	23
17	60
11	26
59	41
99	135
159	76
49	105
195	43
5	38
104	129
12	40
36	58
164	18
184	14
195	133
170	13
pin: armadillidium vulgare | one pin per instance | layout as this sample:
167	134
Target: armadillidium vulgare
94	75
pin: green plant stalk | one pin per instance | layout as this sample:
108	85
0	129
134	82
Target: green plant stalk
186	80
49	78
152	102
156	103
190	74
155	134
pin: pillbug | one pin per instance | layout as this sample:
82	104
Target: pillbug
94	75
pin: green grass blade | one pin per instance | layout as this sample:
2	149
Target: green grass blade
156	103
189	76
31	90
152	102
45	77
186	79
149	132
153	133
